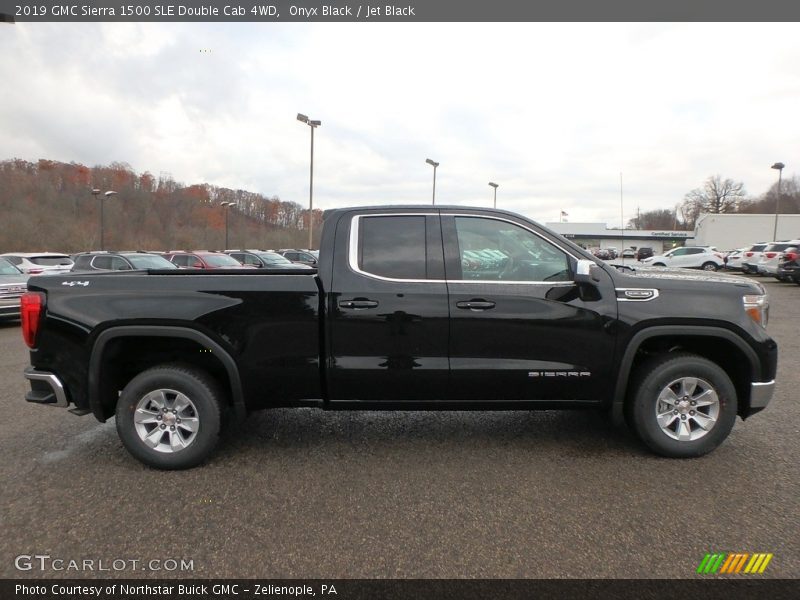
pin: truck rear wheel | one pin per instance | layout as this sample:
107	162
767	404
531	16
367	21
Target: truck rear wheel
682	406
169	417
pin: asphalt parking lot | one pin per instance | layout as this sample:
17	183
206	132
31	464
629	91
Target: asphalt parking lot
305	493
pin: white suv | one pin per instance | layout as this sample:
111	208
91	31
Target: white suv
689	257
751	256
771	256
38	263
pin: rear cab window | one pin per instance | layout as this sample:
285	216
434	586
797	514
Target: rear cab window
392	246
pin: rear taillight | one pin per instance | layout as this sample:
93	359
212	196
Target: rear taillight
748	254
770	254
790	256
35	271
31	305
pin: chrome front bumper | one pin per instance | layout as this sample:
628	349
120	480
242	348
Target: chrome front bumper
46	388
761	393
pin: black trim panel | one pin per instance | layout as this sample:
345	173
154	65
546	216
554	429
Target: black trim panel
671	330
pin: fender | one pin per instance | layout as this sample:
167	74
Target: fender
669	330
237	396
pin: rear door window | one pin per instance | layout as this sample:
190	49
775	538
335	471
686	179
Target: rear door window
393	246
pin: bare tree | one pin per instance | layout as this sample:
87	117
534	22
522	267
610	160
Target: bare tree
717	195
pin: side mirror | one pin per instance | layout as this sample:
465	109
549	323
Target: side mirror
587	271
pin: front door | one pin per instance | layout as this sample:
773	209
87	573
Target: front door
521	328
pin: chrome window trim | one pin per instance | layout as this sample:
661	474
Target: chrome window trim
352	258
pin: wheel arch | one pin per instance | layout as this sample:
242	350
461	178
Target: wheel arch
104	377
741	361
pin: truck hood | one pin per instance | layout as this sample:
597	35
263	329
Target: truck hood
655	275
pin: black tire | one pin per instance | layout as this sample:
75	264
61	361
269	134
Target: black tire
709	266
173	384
655	375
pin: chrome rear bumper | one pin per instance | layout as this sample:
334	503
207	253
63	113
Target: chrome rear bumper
46	388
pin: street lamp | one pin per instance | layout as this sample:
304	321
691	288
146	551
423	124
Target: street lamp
96	193
313	125
434	164
226	205
779	166
495	186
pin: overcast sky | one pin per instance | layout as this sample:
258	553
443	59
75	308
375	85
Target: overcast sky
551	112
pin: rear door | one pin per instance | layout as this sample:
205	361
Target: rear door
388	309
521	328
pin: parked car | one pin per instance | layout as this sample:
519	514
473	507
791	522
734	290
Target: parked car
13	283
264	259
396	318
119	261
629	253
771	256
602	254
612	252
643	253
789	265
751	257
299	256
706	258
204	259
39	263
734	258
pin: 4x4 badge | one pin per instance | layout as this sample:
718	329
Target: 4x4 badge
74	283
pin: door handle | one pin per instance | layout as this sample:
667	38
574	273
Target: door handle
476	304
358	303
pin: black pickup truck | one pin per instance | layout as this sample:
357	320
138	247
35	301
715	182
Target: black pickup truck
411	308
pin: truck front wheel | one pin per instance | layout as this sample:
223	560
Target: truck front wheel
168	417
682	406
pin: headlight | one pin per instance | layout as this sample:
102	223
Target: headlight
757	306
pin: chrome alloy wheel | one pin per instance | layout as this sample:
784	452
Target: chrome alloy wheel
166	420
687	409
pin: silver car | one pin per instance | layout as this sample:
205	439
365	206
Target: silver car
13	283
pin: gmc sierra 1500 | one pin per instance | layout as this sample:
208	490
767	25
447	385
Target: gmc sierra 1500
412	307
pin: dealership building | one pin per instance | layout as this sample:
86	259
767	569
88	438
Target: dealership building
599	235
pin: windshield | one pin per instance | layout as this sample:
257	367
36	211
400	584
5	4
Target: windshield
150	261
221	260
6	268
51	261
274	259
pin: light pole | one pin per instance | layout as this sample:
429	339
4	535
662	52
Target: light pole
96	193
779	166
313	125
434	164
495	186
226	205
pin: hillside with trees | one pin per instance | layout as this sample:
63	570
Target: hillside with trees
48	205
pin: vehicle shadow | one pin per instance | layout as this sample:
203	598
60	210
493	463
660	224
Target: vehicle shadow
287	431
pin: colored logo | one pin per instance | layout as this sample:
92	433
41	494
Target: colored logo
733	562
